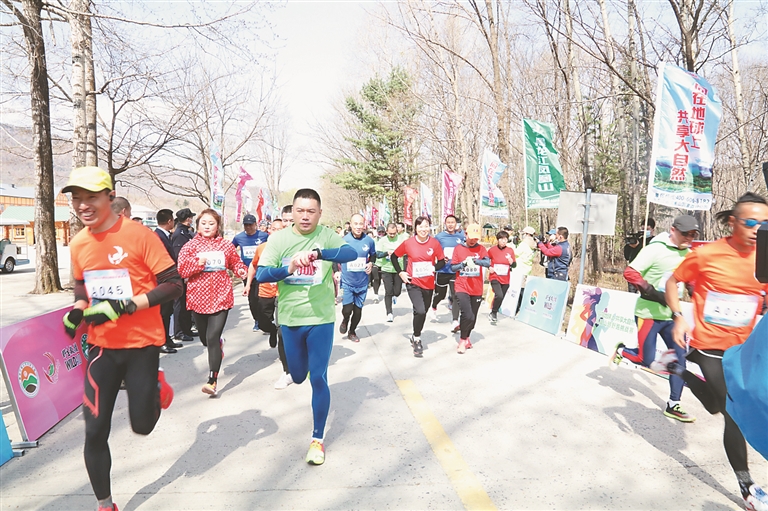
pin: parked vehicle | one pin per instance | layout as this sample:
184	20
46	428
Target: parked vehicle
13	254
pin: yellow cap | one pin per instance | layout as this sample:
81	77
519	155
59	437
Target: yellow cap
93	179
474	231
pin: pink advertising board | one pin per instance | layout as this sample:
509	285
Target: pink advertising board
44	371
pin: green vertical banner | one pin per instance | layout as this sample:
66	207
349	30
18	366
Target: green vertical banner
543	173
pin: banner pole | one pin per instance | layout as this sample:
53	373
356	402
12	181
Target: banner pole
584	235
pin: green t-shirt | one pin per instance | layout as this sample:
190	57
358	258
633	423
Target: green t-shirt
656	262
384	244
306	297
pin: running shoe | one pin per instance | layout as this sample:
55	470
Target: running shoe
316	453
113	507
432	315
660	365
210	389
494	318
616	356
455	327
756	499
256	326
394	300
353	338
469	344
418	349
283	381
166	391
390	318
677	412
462	347
449	305
343	326
376	299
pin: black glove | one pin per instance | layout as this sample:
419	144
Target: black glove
72	320
514	265
108	310
650	293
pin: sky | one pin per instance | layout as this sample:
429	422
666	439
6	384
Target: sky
315	65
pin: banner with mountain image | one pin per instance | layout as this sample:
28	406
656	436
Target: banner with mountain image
688	112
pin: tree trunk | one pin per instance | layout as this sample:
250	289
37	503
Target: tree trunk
46	257
740	117
502	112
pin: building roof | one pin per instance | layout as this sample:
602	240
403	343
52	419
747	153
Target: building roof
24	192
27	213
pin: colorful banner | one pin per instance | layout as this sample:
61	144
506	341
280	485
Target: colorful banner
425	199
492	201
410	196
451	182
602	318
243	178
6	451
216	181
386	215
44	371
543	173
544	303
509	304
685	125
258	210
374	216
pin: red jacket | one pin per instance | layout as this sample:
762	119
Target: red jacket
209	288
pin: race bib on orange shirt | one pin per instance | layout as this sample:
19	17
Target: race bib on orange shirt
108	284
730	310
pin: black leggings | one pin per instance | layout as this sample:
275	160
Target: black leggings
442	283
393	285
499	292
375	278
469	306
254	302
356	312
265	319
105	371
210	328
420	299
712	393
280	344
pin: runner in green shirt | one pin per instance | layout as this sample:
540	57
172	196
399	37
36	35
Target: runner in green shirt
300	261
392	283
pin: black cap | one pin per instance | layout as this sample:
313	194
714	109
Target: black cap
249	219
183	214
685	223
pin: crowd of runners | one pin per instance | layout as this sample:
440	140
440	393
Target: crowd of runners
130	283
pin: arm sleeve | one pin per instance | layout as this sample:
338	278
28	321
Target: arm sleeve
456	267
439	264
343	254
551	251
395	263
80	291
485	261
633	276
266	274
169	287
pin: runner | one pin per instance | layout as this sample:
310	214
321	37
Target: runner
246	243
648	272
393	285
448	239
267	306
299	259
354	277
122	274
467	260
726	299
425	255
502	262
381	232
204	262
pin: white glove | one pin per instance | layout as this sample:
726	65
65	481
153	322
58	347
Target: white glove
470	262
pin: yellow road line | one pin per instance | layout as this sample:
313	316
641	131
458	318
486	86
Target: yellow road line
466	484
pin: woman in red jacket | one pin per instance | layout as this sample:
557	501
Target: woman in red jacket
204	261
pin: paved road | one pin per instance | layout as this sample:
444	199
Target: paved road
524	420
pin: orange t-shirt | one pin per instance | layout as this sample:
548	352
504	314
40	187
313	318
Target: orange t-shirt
726	298
121	263
267	289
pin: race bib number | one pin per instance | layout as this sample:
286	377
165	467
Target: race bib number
471	272
249	252
357	265
214	261
501	269
108	284
307	276
730	310
448	251
422	269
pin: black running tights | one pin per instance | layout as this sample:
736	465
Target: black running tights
469	306
210	327
420	298
356	312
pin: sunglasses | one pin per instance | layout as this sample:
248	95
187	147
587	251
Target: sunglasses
689	234
751	222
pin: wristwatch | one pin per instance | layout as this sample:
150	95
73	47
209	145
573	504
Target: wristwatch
677	314
130	306
318	253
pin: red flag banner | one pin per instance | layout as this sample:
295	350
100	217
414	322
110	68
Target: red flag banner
410	197
243	178
451	182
